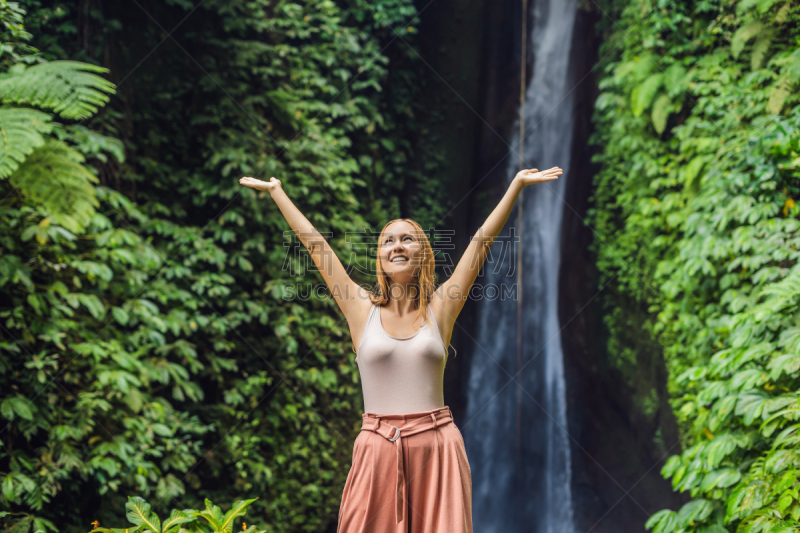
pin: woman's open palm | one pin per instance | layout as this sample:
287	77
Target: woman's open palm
532	175
261	185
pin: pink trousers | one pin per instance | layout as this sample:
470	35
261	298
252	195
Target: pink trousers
409	474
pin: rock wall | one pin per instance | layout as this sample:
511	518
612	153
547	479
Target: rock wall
472	52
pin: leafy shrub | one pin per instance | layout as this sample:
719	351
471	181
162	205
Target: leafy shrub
147	344
144	520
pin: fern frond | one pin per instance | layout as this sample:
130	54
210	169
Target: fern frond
93	144
783	13
21	131
744	5
760	49
765	5
744	34
67	87
783	87
792	66
54	177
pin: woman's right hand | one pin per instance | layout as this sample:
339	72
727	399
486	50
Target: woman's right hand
269	186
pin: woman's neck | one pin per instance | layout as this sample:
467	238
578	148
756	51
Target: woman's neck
403	298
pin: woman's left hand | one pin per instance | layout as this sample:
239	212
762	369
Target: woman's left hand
532	175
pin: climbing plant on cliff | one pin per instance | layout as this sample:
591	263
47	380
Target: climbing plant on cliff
698	132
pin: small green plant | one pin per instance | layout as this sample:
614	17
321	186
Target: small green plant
209	520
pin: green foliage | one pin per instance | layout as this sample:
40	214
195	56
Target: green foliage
148	342
697	221
139	513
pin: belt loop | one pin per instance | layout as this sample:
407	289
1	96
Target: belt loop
435	424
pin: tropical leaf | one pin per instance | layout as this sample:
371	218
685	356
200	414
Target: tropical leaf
662	108
138	512
238	509
663	521
693	171
176	518
93	144
642	96
17	406
720	478
214	515
720	448
676	80
139	529
751	405
783	364
8	487
695	510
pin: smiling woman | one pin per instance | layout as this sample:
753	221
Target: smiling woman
402	331
405	276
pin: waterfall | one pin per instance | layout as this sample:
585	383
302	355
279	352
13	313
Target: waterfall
521	466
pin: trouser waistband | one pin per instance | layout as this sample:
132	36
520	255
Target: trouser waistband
393	428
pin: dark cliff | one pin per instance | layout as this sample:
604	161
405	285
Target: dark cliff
471	52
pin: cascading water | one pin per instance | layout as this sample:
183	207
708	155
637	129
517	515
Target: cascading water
516	435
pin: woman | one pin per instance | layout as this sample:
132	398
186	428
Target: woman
409	472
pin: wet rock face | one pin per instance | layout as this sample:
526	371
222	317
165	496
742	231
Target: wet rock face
472	88
474	46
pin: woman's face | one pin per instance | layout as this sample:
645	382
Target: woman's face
400	251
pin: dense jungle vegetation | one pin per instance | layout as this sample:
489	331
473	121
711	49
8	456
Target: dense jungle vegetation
698	139
149	344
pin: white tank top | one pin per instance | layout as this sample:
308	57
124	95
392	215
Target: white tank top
401	376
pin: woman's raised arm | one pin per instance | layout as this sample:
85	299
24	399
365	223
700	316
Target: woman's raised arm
452	294
347	293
